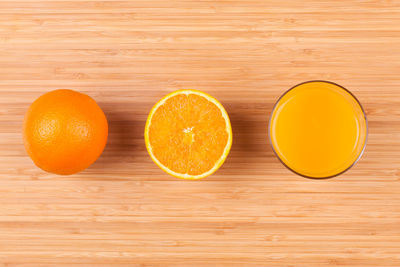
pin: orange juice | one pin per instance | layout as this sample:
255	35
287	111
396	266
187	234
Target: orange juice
318	129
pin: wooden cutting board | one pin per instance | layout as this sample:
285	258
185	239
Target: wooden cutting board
124	211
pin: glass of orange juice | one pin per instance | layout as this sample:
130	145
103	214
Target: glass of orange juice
318	129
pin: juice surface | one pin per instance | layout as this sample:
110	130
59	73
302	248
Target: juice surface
318	129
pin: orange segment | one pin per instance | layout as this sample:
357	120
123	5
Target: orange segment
188	134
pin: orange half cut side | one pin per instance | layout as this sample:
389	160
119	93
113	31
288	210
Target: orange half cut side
188	134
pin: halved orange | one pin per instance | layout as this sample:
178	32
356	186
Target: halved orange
188	134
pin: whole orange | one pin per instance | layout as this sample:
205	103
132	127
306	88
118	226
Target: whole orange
65	131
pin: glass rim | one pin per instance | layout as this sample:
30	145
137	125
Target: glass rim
336	174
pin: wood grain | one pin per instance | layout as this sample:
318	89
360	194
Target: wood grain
124	211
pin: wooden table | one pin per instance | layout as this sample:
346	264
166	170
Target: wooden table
124	211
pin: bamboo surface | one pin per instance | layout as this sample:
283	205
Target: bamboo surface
123	210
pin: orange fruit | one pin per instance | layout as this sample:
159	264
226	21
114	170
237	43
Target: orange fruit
65	131
188	134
